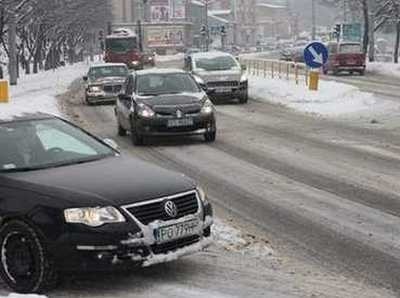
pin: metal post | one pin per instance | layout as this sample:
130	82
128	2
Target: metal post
12	46
207	29
314	20
371	9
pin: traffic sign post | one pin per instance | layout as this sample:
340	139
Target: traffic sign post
315	56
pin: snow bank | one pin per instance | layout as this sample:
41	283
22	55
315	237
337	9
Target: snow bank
233	239
382	68
332	99
168	58
36	92
13	295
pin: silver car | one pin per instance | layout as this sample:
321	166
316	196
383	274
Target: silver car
220	74
104	82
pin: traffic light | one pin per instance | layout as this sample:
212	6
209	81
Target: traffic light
337	30
223	30
203	30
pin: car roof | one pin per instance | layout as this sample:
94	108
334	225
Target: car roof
159	71
212	54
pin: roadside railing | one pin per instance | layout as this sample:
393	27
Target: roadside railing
277	69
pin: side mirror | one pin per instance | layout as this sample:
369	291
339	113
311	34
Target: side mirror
85	78
244	67
113	144
210	91
124	97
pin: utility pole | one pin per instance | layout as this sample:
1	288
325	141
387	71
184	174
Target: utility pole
371	12
207	29
12	48
314	20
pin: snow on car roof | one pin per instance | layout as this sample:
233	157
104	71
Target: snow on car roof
214	54
107	64
159	71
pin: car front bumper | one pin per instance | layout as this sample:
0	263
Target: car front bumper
101	97
158	126
127	244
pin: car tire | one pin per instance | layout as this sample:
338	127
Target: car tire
137	139
87	101
362	72
121	130
37	272
210	137
244	98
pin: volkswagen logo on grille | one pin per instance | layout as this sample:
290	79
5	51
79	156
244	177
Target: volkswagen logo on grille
171	209
179	114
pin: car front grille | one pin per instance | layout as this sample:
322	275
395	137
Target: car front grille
112	88
154	210
174	245
223	84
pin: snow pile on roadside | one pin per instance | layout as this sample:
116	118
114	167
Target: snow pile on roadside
36	92
233	239
167	58
332	99
386	69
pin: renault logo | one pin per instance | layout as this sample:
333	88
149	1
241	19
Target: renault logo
171	209
179	114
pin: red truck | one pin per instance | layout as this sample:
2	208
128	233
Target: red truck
345	56
122	46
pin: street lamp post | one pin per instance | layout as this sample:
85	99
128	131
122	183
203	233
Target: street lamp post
12	48
314	20
207	29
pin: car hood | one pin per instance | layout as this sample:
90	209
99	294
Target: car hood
220	76
173	99
113	181
107	80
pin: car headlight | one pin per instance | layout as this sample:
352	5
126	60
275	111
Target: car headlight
93	217
145	111
208	107
135	62
94	88
243	78
202	195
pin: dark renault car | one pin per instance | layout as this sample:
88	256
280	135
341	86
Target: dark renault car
69	201
164	102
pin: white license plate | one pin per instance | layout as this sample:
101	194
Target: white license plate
180	122
223	90
177	231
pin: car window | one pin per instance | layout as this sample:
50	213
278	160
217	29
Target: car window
108	71
156	84
33	144
350	48
215	63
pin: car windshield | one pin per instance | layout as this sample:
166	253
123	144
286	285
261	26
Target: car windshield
216	63
350	48
38	144
108	71
121	45
157	84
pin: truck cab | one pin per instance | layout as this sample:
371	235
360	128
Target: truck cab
345	56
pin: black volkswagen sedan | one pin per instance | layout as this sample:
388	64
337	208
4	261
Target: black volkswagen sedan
69	201
164	102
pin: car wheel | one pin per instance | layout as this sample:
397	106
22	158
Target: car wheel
325	71
210	136
136	138
121	130
25	264
244	98
87	101
362	72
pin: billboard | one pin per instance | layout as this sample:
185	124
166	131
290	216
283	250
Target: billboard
165	36
159	10
352	32
178	9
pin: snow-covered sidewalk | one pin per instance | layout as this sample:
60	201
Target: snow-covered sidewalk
385	69
37	92
332	98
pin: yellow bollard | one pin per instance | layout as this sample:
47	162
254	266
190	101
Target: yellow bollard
314	80
4	93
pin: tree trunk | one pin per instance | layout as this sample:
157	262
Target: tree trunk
397	43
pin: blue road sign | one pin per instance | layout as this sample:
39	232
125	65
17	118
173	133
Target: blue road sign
315	55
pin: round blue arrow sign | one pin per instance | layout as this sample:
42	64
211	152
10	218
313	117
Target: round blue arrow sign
315	55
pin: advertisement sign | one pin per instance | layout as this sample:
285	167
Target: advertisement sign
352	32
165	36
159	10
178	9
